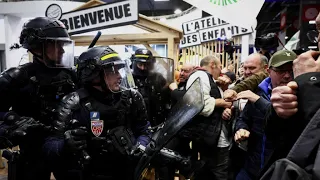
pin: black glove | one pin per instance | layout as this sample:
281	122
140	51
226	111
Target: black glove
58	128
137	150
27	125
101	144
17	128
75	139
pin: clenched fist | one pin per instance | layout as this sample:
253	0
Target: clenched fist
230	95
306	62
284	100
223	80
222	103
226	114
252	97
173	86
241	134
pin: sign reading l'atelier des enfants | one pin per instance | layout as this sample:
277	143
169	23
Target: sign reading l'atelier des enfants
208	29
97	17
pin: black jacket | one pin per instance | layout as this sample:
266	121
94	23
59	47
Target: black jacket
206	130
285	132
34	89
103	114
155	92
252	119
178	93
303	160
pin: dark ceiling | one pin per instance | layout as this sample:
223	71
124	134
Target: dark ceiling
158	8
268	19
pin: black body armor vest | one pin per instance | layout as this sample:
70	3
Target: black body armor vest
206	129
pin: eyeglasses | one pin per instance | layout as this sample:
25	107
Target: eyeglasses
282	72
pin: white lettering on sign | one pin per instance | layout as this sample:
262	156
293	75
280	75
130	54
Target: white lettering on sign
209	29
203	23
190	40
222	31
101	17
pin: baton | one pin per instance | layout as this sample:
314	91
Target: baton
95	39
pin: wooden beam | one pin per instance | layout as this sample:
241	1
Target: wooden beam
171	48
151	49
145	28
157	27
123	37
176	54
163	27
99	43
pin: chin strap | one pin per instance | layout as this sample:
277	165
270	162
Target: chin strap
36	56
102	83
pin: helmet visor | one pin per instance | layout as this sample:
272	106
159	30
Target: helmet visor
59	53
117	76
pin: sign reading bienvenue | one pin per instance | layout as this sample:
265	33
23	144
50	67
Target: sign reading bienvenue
101	17
208	29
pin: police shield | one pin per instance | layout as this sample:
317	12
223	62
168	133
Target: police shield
164	67
189	106
160	75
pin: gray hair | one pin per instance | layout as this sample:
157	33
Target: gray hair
264	60
208	59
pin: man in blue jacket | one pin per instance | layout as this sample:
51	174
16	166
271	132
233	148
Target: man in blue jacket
250	124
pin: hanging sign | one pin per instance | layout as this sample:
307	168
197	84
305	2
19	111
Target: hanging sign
209	29
98	17
190	40
228	31
203	23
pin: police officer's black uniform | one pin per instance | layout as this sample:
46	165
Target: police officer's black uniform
113	114
152	85
34	89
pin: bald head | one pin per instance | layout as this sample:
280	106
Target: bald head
318	28
185	72
187	66
254	64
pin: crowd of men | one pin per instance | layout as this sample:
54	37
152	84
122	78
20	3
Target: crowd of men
86	124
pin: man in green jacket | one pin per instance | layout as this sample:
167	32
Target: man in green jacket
254	72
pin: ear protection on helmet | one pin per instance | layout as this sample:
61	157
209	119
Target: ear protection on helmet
31	38
87	71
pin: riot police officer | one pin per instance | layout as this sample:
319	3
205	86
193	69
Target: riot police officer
152	77
33	91
111	115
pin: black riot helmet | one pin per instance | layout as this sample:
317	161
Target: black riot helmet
102	66
142	61
48	40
